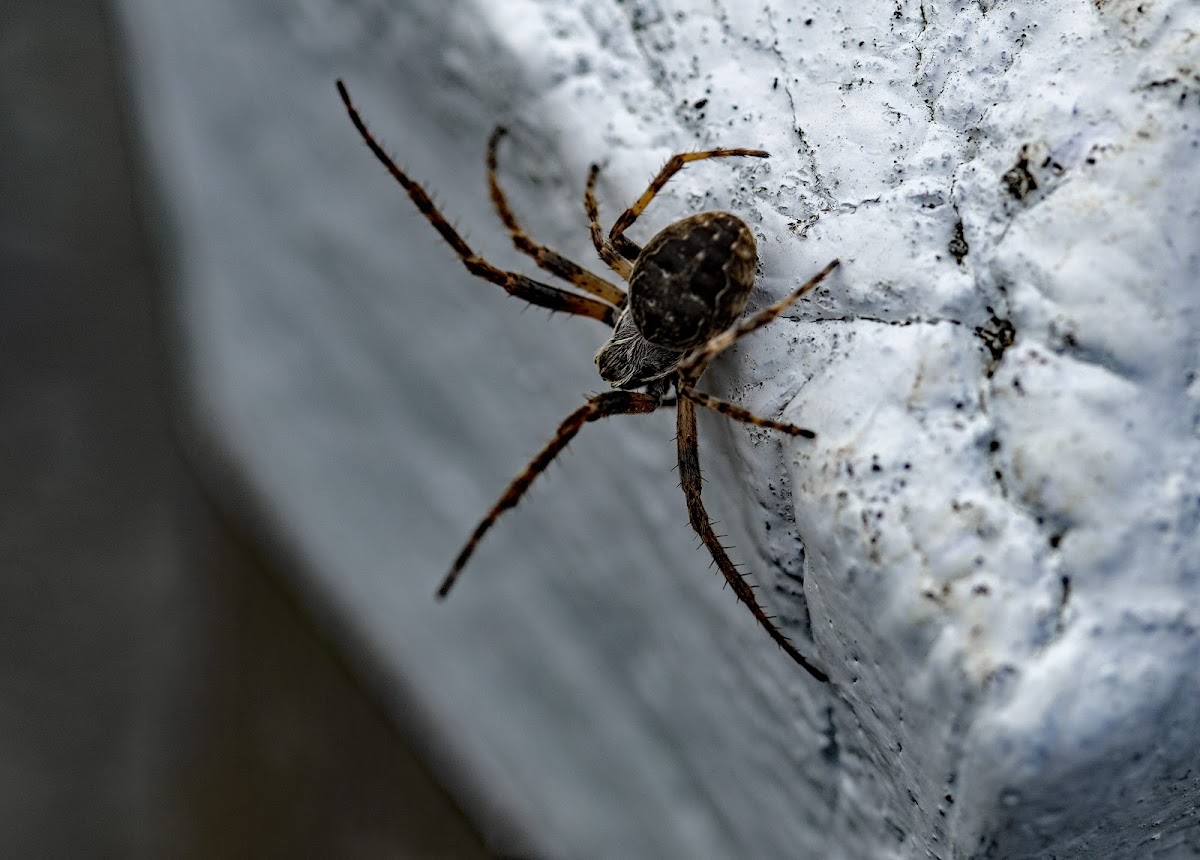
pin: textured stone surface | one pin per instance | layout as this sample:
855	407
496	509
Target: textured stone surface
991	544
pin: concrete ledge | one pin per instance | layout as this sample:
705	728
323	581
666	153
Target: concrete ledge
991	544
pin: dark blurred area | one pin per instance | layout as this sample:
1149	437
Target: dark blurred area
160	692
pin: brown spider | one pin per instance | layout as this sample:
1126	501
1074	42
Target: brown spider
687	289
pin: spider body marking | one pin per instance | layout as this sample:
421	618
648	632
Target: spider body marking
690	282
692	279
687	290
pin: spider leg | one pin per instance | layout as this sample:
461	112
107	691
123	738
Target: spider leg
597	407
513	283
618	262
689	475
673	166
692	364
739	414
549	260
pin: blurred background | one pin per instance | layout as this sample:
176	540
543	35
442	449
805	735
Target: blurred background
161	694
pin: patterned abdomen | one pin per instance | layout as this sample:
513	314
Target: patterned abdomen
691	281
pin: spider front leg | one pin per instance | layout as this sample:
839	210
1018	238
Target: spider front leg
674	165
514	283
550	261
597	407
692	364
691	482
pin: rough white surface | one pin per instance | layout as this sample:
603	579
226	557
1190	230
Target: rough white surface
997	522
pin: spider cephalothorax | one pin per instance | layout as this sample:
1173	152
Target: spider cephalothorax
687	290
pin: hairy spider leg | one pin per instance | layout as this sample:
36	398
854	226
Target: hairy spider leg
604	247
515	284
737	413
692	364
673	166
597	407
550	261
691	482
691	367
690	370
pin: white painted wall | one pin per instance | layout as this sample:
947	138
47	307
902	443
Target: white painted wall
997	546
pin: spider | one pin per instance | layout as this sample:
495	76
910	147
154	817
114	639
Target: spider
688	288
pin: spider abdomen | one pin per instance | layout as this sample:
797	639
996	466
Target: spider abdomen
692	280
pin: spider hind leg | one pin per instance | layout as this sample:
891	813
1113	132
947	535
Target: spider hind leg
692	484
737	413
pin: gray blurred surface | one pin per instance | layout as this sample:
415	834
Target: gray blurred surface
159	693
